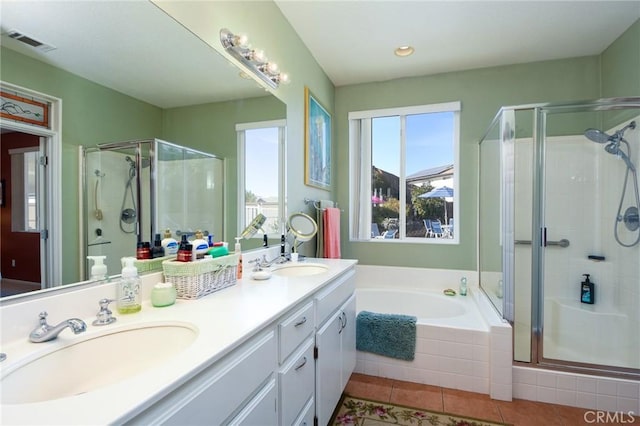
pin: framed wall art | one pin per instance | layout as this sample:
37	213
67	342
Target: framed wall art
317	143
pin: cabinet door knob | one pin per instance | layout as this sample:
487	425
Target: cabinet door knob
299	323
302	364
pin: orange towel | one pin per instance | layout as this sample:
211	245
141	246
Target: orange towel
331	227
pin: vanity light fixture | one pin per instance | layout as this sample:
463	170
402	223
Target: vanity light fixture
403	51
254	60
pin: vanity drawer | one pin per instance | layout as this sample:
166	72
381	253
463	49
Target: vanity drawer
215	394
261	410
329	299
306	417
296	383
294	329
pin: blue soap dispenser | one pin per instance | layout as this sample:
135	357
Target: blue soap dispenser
587	293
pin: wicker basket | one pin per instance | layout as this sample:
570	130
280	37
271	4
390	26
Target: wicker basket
151	265
197	279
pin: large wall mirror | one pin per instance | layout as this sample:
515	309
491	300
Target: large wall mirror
121	71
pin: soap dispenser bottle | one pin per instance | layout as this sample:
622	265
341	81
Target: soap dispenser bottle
169	244
587	291
99	269
129	289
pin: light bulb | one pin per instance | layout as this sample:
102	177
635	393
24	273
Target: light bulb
272	68
284	78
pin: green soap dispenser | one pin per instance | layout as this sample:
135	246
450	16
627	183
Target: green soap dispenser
129	288
587	291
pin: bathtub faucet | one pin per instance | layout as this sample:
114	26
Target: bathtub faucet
45	332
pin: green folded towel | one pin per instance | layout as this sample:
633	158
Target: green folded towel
391	335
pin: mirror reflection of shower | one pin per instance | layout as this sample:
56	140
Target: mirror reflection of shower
129	209
616	144
129	214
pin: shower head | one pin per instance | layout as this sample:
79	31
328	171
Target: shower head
132	162
599	136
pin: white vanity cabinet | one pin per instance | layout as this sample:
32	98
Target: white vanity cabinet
292	370
335	343
236	389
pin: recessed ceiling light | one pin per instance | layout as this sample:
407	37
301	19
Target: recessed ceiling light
404	51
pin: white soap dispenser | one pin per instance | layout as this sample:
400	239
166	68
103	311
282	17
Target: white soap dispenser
129	288
99	269
169	244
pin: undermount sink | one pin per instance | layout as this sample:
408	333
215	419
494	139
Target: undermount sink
95	362
300	269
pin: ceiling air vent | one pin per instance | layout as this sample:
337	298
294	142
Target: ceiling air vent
17	35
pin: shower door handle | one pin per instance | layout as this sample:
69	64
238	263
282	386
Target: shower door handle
562	243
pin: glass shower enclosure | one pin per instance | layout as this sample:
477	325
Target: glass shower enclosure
134	190
558	203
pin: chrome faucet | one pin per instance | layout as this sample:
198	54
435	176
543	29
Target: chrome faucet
104	316
45	332
264	263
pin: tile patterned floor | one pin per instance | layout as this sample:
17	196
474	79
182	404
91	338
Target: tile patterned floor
517	412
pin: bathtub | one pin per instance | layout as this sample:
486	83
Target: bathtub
429	307
457	345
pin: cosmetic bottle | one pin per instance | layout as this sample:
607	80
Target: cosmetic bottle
463	286
128	290
169	244
185	251
200	246
587	291
157	250
143	251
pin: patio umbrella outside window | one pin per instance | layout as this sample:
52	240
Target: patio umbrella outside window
442	192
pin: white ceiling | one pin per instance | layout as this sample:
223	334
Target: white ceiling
137	49
130	46
353	41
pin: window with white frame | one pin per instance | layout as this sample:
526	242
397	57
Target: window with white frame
404	168
261	174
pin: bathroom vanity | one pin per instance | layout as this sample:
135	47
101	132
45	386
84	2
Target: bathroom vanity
278	351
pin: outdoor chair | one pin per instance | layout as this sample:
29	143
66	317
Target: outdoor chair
375	232
429	229
389	234
436	227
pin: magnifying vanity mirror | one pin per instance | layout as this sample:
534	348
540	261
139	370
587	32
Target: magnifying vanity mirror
254	226
117	83
302	227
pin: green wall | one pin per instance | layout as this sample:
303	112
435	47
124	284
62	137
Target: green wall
482	92
620	63
91	114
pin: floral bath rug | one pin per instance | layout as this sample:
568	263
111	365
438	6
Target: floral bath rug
363	412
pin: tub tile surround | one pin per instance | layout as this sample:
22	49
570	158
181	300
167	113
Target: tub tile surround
481	362
470	359
576	390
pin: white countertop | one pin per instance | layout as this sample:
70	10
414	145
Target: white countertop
224	320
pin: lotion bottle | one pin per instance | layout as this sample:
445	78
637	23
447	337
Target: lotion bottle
129	288
169	244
